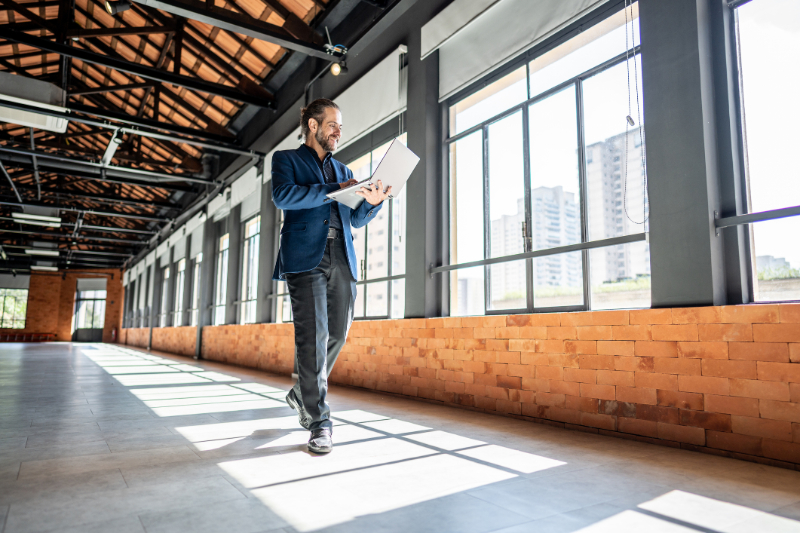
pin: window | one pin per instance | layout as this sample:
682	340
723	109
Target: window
250	271
90	310
380	249
544	161
14	306
768	46
180	278
198	263
164	315
221	293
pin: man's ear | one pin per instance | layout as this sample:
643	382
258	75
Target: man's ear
313	125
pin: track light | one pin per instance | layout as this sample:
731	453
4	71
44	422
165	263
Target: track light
37	220
114	7
339	68
38	251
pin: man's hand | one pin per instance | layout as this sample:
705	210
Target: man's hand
374	194
347	183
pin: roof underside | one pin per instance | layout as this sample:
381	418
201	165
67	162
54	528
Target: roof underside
107	218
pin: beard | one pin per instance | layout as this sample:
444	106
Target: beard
327	143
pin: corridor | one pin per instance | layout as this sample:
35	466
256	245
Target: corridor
95	437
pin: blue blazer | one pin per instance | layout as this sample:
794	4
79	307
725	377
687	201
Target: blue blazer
299	188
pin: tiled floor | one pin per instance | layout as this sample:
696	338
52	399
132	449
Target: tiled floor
97	438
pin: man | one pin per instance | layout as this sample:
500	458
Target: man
317	259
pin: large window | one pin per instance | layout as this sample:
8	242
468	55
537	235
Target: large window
380	248
768	42
90	309
164	315
14	306
180	281
250	271
221	293
198	263
548	161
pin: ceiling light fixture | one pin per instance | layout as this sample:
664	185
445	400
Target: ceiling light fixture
37	220
117	7
44	268
39	251
339	68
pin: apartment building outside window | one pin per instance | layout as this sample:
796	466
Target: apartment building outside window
544	161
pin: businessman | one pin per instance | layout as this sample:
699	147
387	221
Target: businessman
317	259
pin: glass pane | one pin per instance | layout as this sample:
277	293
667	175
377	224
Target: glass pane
398	298
84	314
99	314
360	167
398	234
777	260
219	315
489	101
507	286
359	243
252	227
614	157
467	292
592	47
378	245
506	187
283	305
179	296
555	182
466	199
377	298
558	280
769	52
358	312
620	276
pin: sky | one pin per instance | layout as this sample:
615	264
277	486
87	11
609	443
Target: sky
769	33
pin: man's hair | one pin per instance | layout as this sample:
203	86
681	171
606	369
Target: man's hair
315	110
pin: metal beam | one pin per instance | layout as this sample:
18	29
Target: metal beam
3	168
78	238
97	168
66	195
111	89
750	218
117	32
136	69
97	213
239	23
77	172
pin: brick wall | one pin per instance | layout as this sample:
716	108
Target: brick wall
135	337
724	380
51	304
181	341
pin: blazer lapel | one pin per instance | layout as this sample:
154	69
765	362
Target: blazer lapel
308	157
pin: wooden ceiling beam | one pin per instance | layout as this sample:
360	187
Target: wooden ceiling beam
21	9
139	70
292	23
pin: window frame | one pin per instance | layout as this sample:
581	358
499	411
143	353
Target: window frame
93	300
524	60
220	281
254	242
180	288
3	298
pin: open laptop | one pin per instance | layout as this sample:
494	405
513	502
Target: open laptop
394	170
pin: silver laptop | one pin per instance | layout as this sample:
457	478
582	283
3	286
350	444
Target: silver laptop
394	170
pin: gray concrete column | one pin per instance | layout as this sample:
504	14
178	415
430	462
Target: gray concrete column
426	208
234	265
687	258
266	255
206	283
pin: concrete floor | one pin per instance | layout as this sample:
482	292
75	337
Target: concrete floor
97	438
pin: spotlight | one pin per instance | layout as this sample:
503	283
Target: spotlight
339	68
114	7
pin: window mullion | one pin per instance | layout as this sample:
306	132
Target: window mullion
487	225
583	190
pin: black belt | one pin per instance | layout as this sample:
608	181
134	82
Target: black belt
334	233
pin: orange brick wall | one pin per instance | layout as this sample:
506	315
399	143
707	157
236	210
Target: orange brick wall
135	337
181	341
51	304
724	380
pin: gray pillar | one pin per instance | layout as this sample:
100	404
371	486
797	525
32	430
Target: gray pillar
426	208
155	297
687	258
206	284
266	252
234	265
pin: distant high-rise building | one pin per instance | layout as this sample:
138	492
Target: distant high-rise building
609	214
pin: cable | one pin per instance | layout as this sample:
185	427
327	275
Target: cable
630	122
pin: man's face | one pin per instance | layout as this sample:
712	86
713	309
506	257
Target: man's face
330	131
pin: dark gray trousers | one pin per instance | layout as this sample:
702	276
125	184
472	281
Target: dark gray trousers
322	304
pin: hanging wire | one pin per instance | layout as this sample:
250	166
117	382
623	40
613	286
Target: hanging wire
629	122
